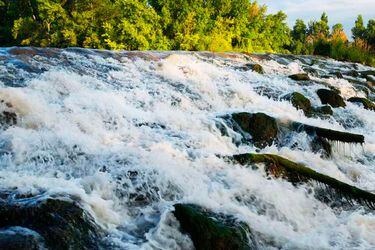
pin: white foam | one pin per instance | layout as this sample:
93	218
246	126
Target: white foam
156	119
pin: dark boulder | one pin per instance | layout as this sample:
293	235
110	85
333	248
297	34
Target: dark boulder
299	101
20	238
300	77
330	97
212	231
262	128
254	67
367	104
62	223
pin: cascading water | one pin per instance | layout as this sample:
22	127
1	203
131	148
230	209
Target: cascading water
130	134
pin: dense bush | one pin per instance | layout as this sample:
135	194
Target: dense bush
214	25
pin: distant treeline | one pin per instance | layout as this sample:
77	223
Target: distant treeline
214	25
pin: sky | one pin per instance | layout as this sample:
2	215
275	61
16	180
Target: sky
339	11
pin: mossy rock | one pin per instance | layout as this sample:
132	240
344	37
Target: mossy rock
262	128
328	134
254	67
298	173
330	97
300	77
62	223
212	231
299	101
367	104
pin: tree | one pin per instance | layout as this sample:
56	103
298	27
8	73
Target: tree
135	26
299	31
318	29
370	33
359	29
323	23
338	33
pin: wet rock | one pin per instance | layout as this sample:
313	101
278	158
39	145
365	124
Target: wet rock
330	97
367	73
300	77
329	134
212	231
262	128
339	75
254	67
20	238
321	145
324	110
299	101
22	51
367	104
311	71
7	119
62	223
296	173
370	79
151	125
352	73
271	93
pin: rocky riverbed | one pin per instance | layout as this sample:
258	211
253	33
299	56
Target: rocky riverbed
185	150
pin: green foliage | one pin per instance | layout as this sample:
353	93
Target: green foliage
224	25
370	33
135	27
214	25
359	29
319	29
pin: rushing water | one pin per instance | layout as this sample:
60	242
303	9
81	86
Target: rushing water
132	133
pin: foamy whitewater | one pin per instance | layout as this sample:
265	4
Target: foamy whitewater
130	134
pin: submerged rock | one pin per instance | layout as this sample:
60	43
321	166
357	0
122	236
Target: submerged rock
330	97
7	119
367	73
20	238
352	73
339	75
262	128
321	145
212	231
324	110
296	173
367	104
300	77
299	101
62	223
